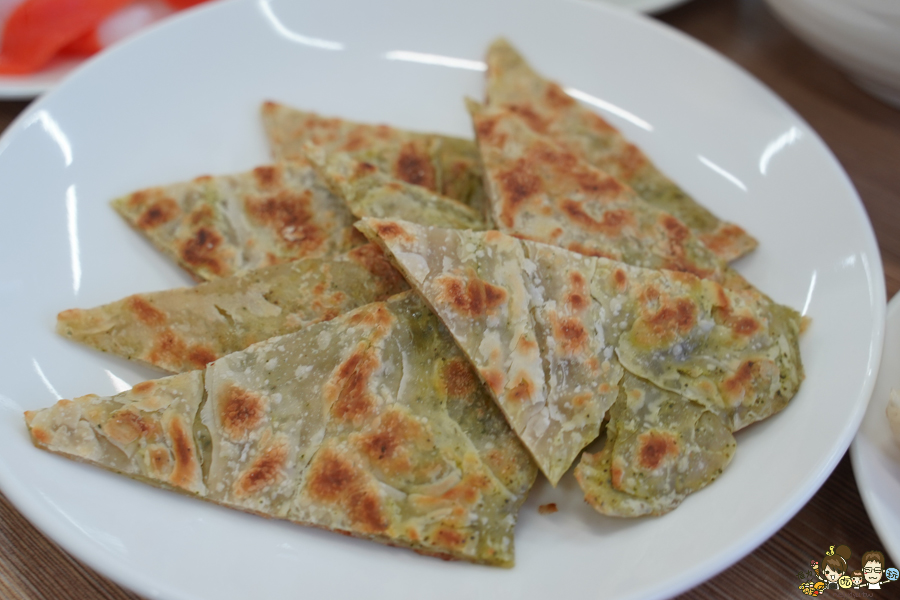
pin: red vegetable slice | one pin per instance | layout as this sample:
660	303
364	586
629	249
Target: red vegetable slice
84	45
179	4
38	29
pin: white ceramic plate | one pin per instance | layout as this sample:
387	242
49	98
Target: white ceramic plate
875	455
35	84
182	100
22	87
646	6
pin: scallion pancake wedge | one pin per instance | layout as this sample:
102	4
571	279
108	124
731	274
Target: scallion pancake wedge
370	192
551	332
539	190
660	447
220	226
443	164
372	424
549	110
186	328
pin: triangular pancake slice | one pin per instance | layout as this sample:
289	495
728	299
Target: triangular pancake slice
370	192
550	331
442	164
660	447
220	226
372	424
540	191
183	329
549	110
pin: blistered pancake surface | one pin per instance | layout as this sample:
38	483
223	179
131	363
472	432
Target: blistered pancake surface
371	424
548	110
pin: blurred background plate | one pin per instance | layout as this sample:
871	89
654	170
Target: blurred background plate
875	453
645	6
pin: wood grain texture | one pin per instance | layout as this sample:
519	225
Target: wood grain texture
864	135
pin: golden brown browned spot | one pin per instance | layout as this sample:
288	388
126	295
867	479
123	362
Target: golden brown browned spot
168	349
723	239
183	448
448	538
144	387
589	251
738	384
517	185
203	178
267	176
610	224
414	166
125	426
556	97
494	379
679	316
384	441
576	301
616	473
392	231
548	509
655	446
677	231
469	489
290	216
523	390
390	443
629	161
485	130
138	199
355	140
724	304
597	183
160	212
266	469
145	312
363	169
200	356
527	114
375	315
201	250
333	479
241	411
202	214
459	380
577	297
472	296
542	154
621	278
493	236
570	334
744	325
41	435
159	459
348	389
384	132
493	295
372	259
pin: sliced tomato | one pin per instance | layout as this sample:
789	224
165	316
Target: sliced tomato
38	29
179	4
85	45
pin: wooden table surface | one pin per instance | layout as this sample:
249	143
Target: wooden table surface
865	136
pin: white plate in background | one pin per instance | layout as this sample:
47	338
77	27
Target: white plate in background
875	453
646	6
182	100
